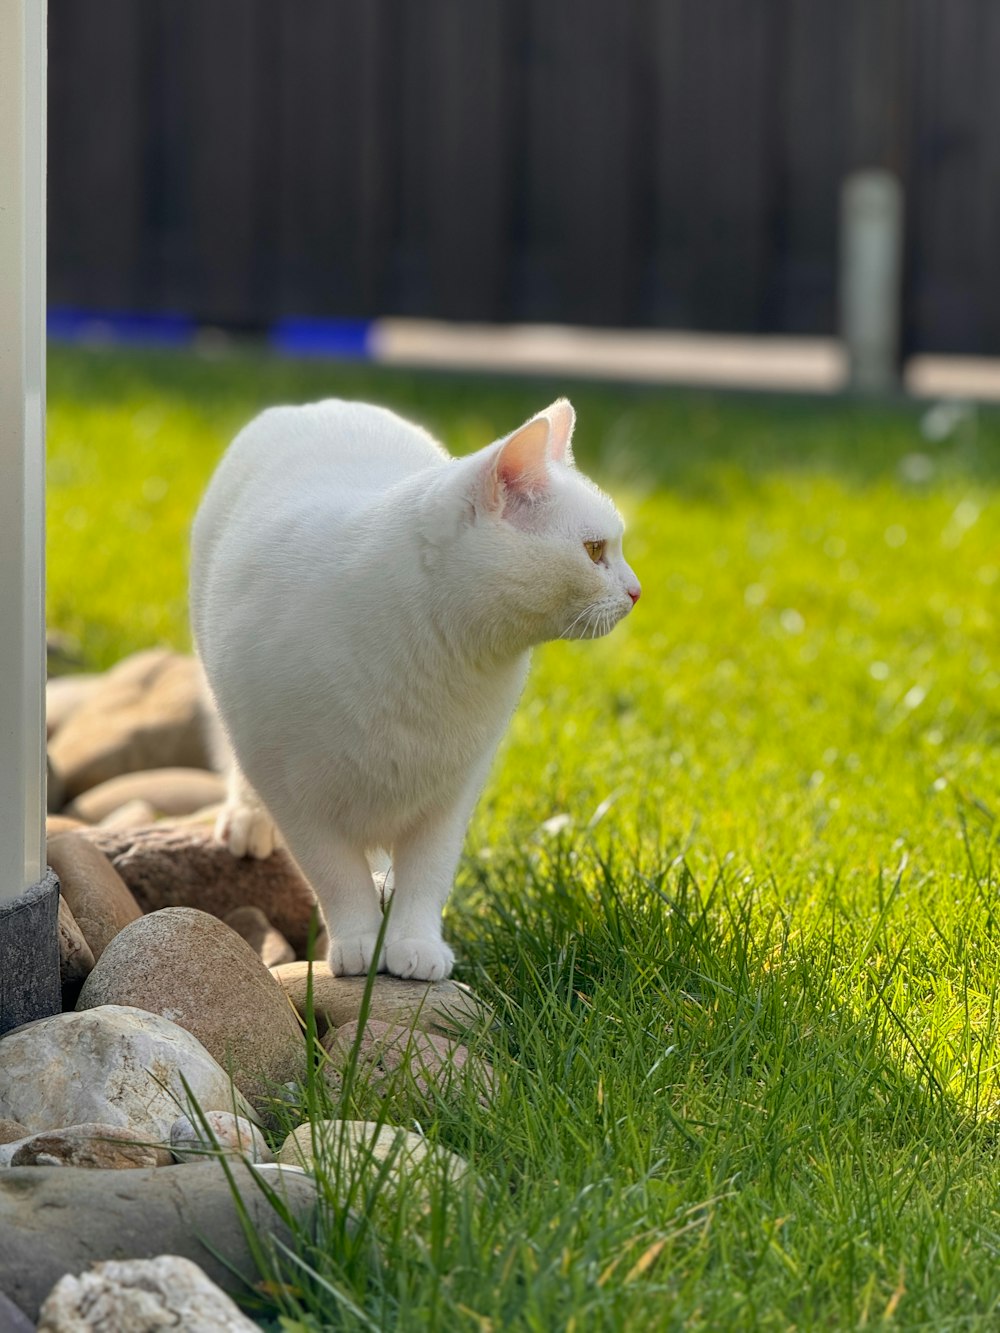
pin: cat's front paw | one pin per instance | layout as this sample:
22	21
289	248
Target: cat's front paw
351	955
247	830
421	959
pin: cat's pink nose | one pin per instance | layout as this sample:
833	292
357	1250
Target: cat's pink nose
635	593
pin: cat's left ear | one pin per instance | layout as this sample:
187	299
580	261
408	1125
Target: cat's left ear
561	419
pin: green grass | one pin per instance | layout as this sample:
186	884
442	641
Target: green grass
746	985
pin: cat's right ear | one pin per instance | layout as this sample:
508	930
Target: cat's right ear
517	470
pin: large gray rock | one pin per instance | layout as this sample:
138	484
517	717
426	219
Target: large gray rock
182	865
109	1066
147	712
139	1296
57	1220
446	1007
192	967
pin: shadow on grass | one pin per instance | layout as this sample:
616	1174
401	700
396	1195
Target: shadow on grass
781	1099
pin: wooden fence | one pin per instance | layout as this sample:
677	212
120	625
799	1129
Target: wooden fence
671	163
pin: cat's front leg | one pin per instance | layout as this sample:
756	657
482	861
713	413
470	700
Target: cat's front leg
244	824
423	870
341	878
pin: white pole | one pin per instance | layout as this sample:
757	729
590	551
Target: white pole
22	442
871	264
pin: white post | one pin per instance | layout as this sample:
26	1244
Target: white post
871	265
29	891
22	437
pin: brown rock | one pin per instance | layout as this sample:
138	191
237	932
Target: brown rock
11	1131
76	958
109	1147
181	865
191	968
147	712
100	902
436	1065
446	1007
64	695
169	791
56	824
133	814
268	944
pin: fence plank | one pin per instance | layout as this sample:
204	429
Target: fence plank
97	71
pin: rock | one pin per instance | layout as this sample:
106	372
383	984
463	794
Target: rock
55	788
133	814
64	695
140	1295
367	1146
446	1007
437	1066
76	958
147	712
215	1133
169	791
55	1221
109	1066
56	824
109	1147
181	865
95	894
268	944
13	1319
11	1131
192	967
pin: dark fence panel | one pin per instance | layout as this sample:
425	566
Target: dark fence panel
666	163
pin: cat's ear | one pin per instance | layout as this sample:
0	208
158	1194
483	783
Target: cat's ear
561	419
518	469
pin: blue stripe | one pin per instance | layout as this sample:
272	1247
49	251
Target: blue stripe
105	326
350	338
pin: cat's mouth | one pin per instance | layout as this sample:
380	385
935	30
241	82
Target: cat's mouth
594	622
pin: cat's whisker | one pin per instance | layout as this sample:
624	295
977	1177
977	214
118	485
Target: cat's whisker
587	610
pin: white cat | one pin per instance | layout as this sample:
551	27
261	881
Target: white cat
365	606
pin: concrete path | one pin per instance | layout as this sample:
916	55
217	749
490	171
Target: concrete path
804	365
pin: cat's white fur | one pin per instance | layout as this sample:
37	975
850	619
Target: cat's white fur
364	606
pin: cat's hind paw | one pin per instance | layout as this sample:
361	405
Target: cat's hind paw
247	830
351	955
421	959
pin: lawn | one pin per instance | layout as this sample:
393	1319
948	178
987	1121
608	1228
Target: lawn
732	888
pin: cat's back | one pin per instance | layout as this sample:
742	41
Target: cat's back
336	450
295	481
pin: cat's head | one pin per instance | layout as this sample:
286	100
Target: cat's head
546	537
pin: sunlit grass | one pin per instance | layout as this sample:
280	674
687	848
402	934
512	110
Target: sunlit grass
731	889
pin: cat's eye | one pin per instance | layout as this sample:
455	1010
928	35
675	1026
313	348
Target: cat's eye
595	550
